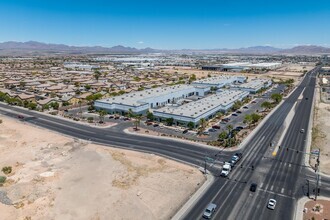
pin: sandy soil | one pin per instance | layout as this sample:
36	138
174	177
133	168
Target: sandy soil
56	177
321	134
319	209
296	67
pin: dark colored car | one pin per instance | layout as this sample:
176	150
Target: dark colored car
245	107
238	128
156	125
253	187
238	112
216	126
111	116
185	131
20	116
234	114
254	102
211	130
149	123
117	117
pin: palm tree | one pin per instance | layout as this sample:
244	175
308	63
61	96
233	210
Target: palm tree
202	125
137	121
102	113
130	113
230	128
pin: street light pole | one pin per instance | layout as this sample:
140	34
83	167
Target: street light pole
317	174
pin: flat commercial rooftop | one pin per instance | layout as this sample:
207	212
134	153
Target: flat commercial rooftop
254	84
200	107
136	98
218	79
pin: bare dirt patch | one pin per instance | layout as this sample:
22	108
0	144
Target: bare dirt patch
317	210
320	134
56	177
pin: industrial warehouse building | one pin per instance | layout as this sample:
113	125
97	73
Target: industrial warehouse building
203	108
185	103
253	86
237	67
219	81
142	101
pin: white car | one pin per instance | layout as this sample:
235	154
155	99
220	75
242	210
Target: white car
271	204
302	130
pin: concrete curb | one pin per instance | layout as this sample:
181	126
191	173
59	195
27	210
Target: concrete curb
194	198
299	213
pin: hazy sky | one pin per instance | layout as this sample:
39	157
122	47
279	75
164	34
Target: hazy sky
167	24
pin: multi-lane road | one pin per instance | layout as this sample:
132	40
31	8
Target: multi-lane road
282	177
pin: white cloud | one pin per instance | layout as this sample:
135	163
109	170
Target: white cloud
140	42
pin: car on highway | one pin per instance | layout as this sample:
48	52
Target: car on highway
225	169
210	209
253	187
235	158
20	116
271	204
302	130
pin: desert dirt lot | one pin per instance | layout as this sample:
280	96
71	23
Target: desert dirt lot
321	134
56	177
317	210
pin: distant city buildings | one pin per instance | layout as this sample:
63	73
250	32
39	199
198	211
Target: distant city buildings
237	67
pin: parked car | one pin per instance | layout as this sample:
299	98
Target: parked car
234	114
156	125
254	102
116	117
206	133
253	187
216	126
111	116
185	131
245	107
238	112
226	119
20	116
271	204
149	123
223	122
212	130
238	128
210	209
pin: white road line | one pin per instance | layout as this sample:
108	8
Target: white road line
282	190
261	185
278	194
289	165
271	188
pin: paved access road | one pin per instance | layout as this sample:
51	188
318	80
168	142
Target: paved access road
281	177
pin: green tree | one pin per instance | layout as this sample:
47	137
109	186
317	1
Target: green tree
202	125
255	118
32	106
277	98
169	121
191	125
97	75
223	135
130	113
266	105
248	120
150	116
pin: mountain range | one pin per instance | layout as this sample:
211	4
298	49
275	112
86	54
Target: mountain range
38	48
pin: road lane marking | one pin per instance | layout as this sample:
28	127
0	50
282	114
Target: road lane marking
278	194
271	188
282	190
